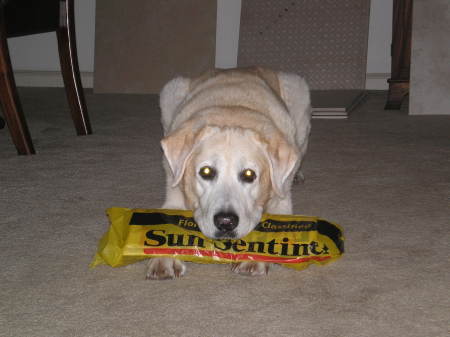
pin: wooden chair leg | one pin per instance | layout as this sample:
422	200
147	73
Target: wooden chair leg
400	54
12	109
398	90
69	66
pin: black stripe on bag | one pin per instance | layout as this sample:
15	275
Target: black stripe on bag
152	219
270	226
334	233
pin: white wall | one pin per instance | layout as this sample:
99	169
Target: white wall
35	58
227	34
379	44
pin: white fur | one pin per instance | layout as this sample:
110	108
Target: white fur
295	93
226	191
246	91
170	98
165	268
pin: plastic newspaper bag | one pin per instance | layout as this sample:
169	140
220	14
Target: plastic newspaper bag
291	240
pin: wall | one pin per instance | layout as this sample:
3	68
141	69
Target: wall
379	44
430	55
227	32
36	63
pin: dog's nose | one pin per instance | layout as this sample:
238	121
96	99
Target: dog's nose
226	221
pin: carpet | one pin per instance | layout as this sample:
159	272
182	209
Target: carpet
383	175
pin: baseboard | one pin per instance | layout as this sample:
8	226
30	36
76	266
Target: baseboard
377	81
35	78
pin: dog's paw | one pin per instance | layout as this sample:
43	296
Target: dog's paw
250	268
164	268
299	178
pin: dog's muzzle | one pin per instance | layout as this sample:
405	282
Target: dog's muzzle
226	222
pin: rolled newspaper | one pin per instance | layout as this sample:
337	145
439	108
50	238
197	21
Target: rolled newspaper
295	241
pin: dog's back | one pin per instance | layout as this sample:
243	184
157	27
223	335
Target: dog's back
282	97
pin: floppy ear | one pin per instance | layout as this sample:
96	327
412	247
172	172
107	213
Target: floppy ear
283	158
179	146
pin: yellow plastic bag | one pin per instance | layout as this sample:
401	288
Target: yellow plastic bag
291	240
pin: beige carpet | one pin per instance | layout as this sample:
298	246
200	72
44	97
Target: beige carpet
383	175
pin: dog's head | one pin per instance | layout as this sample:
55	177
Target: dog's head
228	175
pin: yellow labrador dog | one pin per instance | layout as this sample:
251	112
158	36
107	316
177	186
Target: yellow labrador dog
234	140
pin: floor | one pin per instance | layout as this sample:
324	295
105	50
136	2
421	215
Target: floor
382	175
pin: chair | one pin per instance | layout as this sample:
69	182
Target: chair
400	54
24	17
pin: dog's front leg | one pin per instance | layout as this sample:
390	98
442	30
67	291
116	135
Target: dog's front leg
163	268
252	268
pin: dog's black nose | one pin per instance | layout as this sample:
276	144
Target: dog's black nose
226	221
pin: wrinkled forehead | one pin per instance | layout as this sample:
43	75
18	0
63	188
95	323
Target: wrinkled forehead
233	147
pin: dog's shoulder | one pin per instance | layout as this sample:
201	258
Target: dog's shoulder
268	76
281	97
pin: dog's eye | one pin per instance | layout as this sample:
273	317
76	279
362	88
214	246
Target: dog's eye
247	175
207	172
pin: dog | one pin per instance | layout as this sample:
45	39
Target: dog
233	143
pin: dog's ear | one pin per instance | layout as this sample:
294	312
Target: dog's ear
179	146
283	159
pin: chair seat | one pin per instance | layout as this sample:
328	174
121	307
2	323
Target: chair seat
24	17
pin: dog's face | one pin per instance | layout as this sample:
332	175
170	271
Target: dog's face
227	176
230	180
